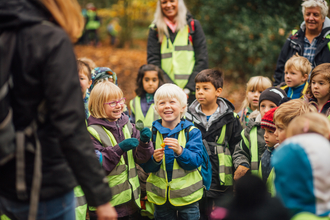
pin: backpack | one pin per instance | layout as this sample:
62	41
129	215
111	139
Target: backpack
206	170
13	143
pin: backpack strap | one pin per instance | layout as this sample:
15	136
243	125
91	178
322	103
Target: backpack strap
191	30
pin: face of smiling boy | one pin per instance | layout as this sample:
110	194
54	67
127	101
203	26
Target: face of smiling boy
169	109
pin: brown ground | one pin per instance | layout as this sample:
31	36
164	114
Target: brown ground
126	62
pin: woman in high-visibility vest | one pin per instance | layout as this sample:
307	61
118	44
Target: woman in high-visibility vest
149	78
177	44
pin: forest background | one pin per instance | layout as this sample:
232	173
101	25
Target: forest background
244	37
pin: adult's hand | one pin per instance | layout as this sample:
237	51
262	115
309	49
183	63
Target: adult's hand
106	212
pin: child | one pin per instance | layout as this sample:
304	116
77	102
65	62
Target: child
90	62
297	69
265	170
175	184
215	117
319	88
121	145
85	82
248	152
100	74
302	167
254	88
149	78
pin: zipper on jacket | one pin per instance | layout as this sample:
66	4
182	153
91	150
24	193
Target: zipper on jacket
118	129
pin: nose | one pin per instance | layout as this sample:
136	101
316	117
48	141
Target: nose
275	132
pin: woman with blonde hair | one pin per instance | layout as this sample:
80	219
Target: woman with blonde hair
46	91
177	45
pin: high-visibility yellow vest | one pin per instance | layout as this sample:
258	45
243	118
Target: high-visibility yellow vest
253	148
92	24
81	204
186	186
4	217
123	179
225	160
149	211
270	181
178	59
151	115
308	216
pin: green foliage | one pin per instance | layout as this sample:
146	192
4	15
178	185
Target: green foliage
245	37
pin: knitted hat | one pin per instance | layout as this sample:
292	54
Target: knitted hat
272	94
102	73
267	120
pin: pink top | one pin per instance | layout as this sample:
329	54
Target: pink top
170	24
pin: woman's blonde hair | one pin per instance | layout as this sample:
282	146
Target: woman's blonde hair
160	23
103	92
169	91
67	14
287	111
256	83
310	123
322	4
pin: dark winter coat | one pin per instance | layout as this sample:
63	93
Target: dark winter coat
44	68
112	155
200	49
295	44
211	131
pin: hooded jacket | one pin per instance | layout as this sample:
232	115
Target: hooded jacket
200	50
44	69
211	131
295	44
111	155
302	169
242	154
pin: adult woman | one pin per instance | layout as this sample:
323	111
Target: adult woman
311	40
44	70
177	44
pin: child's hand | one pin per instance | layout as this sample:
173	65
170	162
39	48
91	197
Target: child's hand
174	145
158	154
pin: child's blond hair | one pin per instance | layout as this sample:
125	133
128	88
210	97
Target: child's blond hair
84	68
256	83
291	109
90	62
169	91
322	69
299	63
102	93
312	122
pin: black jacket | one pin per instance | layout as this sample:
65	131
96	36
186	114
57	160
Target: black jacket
200	49
295	44
211	133
44	69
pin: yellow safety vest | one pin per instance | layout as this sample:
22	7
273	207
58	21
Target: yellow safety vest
270	181
178	59
253	149
308	216
81	204
123	179
151	115
186	186
303	92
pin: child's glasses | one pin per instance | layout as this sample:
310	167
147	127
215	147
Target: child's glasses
114	103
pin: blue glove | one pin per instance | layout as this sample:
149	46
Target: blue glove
99	156
128	144
145	135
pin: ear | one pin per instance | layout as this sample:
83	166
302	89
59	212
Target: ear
183	108
218	92
305	77
90	83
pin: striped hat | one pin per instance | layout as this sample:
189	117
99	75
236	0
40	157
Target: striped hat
267	120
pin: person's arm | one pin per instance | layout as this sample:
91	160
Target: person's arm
241	155
201	55
235	135
153	52
66	110
282	58
192	155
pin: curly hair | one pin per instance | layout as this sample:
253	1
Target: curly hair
139	80
324	71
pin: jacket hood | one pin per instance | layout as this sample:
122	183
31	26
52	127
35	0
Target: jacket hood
302	169
255	119
16	13
325	29
107	124
181	126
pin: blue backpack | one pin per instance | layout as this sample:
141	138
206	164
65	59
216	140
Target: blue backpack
206	170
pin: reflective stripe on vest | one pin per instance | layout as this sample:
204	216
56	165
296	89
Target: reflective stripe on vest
225	160
123	179
308	216
151	115
178	59
81	204
253	149
186	186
